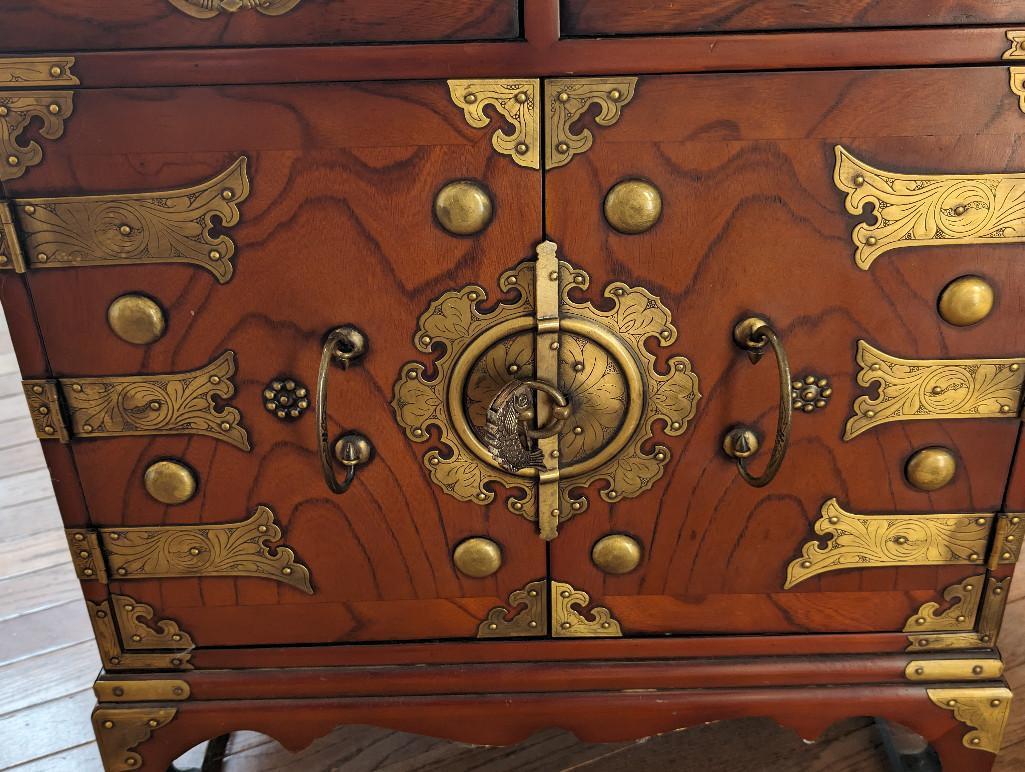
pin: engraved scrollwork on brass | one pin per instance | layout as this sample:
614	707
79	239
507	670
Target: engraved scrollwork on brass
119	730
867	541
17	110
984	709
567	622
137	621
231	549
964	599
915	210
208	9
566	100
514	100
921	389
173	226
529	610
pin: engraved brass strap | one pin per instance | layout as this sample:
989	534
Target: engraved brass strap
120	729
170	226
934	389
208	9
983	708
546	315
132	405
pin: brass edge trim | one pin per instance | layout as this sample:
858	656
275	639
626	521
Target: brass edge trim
141	689
530	621
983	709
868	541
959	616
517	102
45	409
946	642
994	602
988	669
11	257
567	99
171	226
567	622
208	9
86	555
934	389
547	313
37	72
119	730
247	548
1007	539
114	656
18	109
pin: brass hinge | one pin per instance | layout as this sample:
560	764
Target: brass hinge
11	257
86	554
46	410
1007	536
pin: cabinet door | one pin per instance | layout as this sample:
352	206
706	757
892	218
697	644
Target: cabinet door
337	227
760	177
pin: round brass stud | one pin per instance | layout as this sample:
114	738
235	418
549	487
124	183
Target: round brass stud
930	468
633	206
136	319
966	301
740	442
463	208
170	482
616	553
477	557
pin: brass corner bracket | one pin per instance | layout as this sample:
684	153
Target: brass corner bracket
520	103
1016	52
567	622
980	634
208	9
130	639
559	602
984	709
530	621
21	103
120	729
960	615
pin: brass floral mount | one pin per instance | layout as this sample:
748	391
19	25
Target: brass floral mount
984	709
25	95
129	638
208	9
964	600
532	607
972	621
565	101
597	358
120	729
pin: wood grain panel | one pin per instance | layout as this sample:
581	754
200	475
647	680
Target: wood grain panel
752	222
83	25
636	17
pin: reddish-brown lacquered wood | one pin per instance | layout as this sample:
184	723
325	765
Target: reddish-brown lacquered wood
338	229
753	223
634	56
63	25
642	17
1014	500
502	719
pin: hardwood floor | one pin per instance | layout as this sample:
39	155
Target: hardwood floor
48	661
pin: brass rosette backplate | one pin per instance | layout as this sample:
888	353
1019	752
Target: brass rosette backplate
617	389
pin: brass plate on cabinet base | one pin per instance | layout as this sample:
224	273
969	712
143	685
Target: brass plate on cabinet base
567	99
984	709
109	689
959	616
567	622
867	541
514	100
119	730
988	669
208	9
115	656
530	621
934	389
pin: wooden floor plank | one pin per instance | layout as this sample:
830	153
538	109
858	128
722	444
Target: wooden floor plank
33	553
19	459
16	432
82	758
10	385
26	487
45	729
8	364
12	407
43	631
48	677
30	518
37	590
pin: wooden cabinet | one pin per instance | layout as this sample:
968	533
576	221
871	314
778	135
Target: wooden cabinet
402	384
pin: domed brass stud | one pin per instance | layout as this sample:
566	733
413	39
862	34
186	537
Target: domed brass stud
136	319
633	206
170	482
463	208
740	442
616	553
966	300
929	469
477	557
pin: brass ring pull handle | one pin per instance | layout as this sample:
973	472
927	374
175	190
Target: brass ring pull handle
342	346
560	411
741	442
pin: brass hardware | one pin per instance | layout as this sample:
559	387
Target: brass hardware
11	257
463	207
959	616
514	100
86	555
928	209
990	604
867	541
133	405
994	602
141	689
616	553
989	669
597	358
477	557
511	414
37	72
933	389
530	621
286	398
244	548
208	9
983	708
1007	539
134	620
966	301
169	482
1017	51
633	206
567	622
116	656
136	319
946	642
172	226
567	99
342	346
119	730
810	393
752	335
930	469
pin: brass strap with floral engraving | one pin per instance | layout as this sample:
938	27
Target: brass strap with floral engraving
131	405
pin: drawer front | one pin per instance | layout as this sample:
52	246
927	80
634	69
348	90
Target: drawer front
639	17
757	220
82	25
338	227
